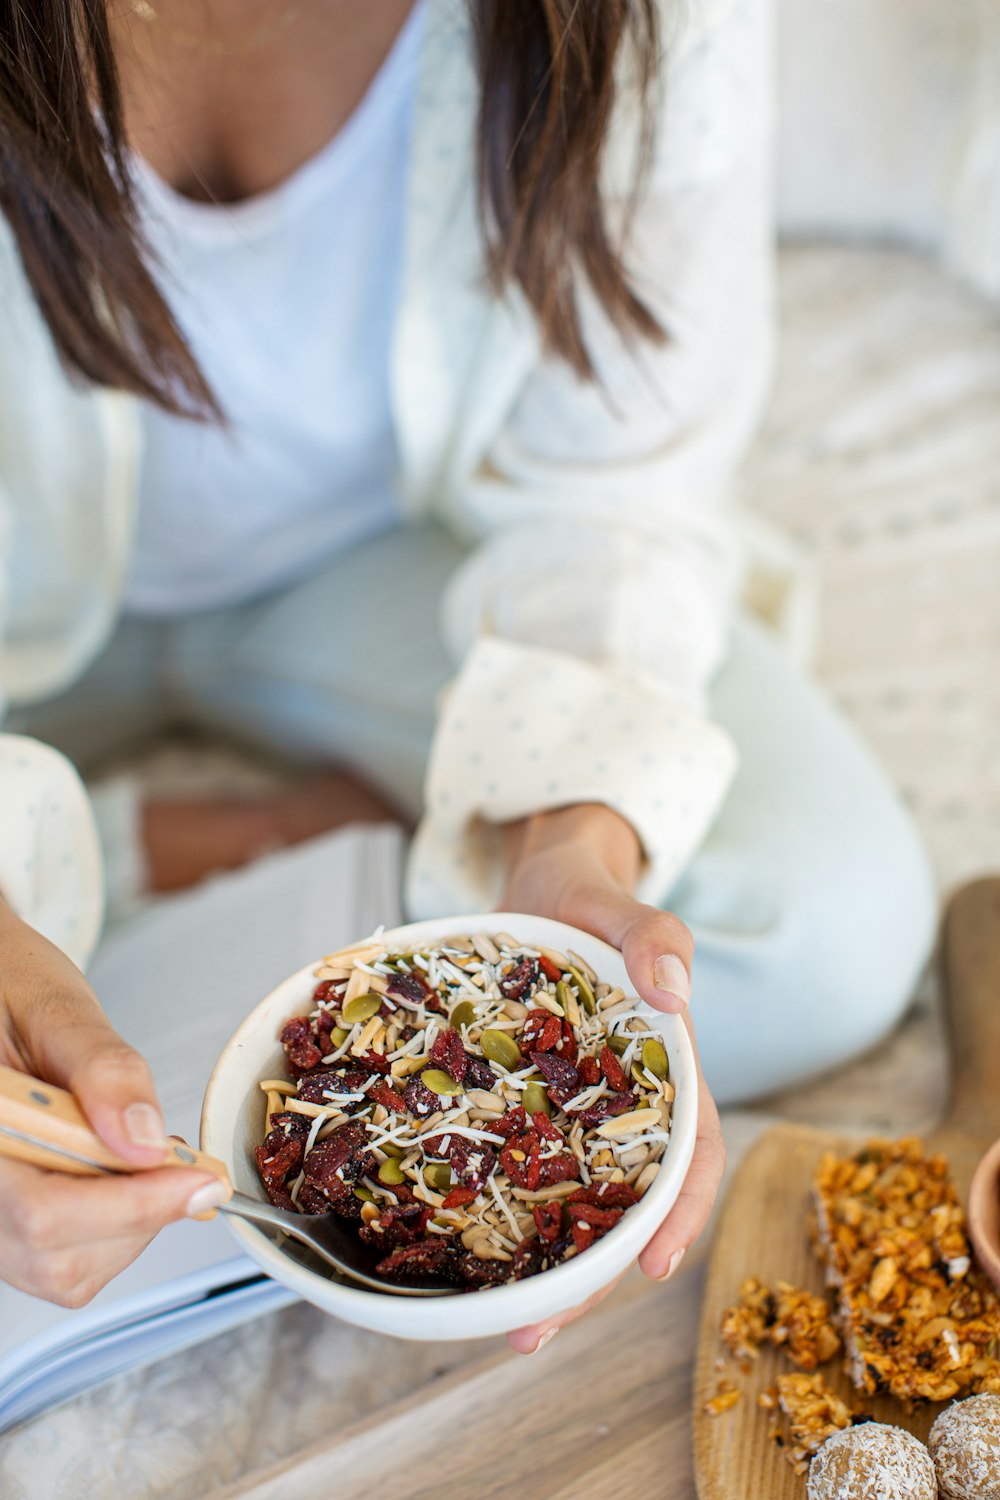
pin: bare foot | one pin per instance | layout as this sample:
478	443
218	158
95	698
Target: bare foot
185	841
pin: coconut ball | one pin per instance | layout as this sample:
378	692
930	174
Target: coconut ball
872	1462
965	1447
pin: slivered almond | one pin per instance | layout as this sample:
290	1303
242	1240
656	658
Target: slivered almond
635	1121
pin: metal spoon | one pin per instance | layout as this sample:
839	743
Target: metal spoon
327	1237
44	1125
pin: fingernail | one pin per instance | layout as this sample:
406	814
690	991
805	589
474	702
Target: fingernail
670	974
672	1265
546	1338
207	1197
144	1125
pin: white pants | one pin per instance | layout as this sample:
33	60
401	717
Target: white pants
811	901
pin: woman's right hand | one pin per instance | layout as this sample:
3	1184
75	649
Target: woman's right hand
63	1237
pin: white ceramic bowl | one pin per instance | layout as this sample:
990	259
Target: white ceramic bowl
232	1124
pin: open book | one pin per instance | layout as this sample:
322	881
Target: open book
176	983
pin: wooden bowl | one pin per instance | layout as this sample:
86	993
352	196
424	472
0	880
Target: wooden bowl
984	1213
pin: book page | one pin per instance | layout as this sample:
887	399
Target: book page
177	982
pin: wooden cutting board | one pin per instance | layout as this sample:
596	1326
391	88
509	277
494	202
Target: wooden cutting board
762	1228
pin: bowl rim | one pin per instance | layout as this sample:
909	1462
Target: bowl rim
985	1187
556	1289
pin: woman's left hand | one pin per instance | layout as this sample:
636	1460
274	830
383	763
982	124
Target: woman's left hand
579	865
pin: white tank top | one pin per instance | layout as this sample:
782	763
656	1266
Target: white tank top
288	301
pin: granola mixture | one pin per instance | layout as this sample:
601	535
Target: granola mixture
790	1318
482	1110
812	1412
918	1318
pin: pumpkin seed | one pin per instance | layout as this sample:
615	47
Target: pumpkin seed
619	1043
391	1149
535	1098
338	1036
361	1008
438	1174
587	997
500	1048
464	1014
562	994
440	1082
365	1194
654	1057
390	1172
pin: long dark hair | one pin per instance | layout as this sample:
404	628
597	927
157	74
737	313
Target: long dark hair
548	71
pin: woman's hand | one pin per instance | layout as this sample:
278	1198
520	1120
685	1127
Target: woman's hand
579	865
63	1237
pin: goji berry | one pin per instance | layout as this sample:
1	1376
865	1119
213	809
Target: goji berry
548	1220
613	1072
458	1197
549	969
589	1071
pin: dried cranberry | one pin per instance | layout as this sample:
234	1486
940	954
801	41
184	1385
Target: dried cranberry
336	1162
472	1162
517	982
437	1145
387	1097
278	1159
412	986
549	969
426	1258
478	1073
530	1257
605	1195
375	1062
312	1201
559	1074
589	1071
291	1121
606	1108
548	1220
448	1053
327	989
553	1169
482	1272
394	1226
316	1087
613	1071
300	1049
420	1101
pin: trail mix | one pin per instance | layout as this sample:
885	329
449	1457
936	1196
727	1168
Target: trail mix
482	1110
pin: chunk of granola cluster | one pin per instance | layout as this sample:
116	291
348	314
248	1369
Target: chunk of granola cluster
812	1411
790	1318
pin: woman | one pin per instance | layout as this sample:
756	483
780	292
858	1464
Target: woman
356	350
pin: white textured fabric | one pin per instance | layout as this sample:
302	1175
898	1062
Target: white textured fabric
495	440
51	858
515	738
287	301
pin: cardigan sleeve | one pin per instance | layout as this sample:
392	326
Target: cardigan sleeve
590	617
51	870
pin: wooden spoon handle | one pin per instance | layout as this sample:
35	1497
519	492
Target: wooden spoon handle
971	964
45	1126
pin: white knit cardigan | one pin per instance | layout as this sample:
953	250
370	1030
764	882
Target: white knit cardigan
600	584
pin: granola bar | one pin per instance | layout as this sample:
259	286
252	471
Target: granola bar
918	1318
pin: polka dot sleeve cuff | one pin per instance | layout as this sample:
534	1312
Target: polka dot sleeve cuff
524	729
50	860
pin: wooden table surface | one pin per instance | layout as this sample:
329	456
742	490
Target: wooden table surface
603	1410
